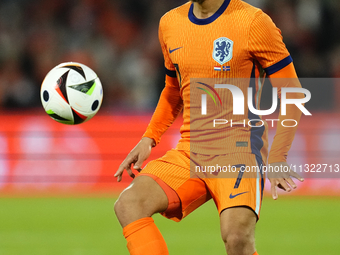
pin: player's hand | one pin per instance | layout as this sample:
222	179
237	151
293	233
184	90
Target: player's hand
282	178
137	156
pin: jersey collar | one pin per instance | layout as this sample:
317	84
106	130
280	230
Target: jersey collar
209	20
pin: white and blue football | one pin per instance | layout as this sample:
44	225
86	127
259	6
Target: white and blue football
71	93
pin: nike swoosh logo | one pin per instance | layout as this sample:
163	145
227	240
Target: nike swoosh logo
171	51
231	196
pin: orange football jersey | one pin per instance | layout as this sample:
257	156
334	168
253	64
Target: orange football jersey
237	43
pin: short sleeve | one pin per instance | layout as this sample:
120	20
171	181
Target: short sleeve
169	67
266	45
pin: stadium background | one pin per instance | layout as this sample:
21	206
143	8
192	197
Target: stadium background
56	182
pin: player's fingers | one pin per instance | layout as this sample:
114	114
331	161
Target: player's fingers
124	165
129	170
138	165
121	169
274	189
283	185
119	174
297	176
137	168
291	182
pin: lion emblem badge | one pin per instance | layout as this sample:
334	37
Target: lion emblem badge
223	50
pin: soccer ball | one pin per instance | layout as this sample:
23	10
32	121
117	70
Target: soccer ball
71	93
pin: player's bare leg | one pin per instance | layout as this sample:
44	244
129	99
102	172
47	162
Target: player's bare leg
238	230
143	198
134	208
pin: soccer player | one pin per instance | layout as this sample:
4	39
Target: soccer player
218	39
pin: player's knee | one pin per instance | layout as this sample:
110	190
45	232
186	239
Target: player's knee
118	207
236	240
238	230
136	203
128	201
142	199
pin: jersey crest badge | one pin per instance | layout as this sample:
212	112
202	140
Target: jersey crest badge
223	50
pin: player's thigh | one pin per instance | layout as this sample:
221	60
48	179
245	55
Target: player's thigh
142	197
238	224
243	187
172	173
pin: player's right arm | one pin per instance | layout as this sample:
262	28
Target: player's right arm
169	106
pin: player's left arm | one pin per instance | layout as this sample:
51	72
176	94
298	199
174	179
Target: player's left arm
266	47
286	77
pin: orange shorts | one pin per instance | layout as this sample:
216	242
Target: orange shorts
187	189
